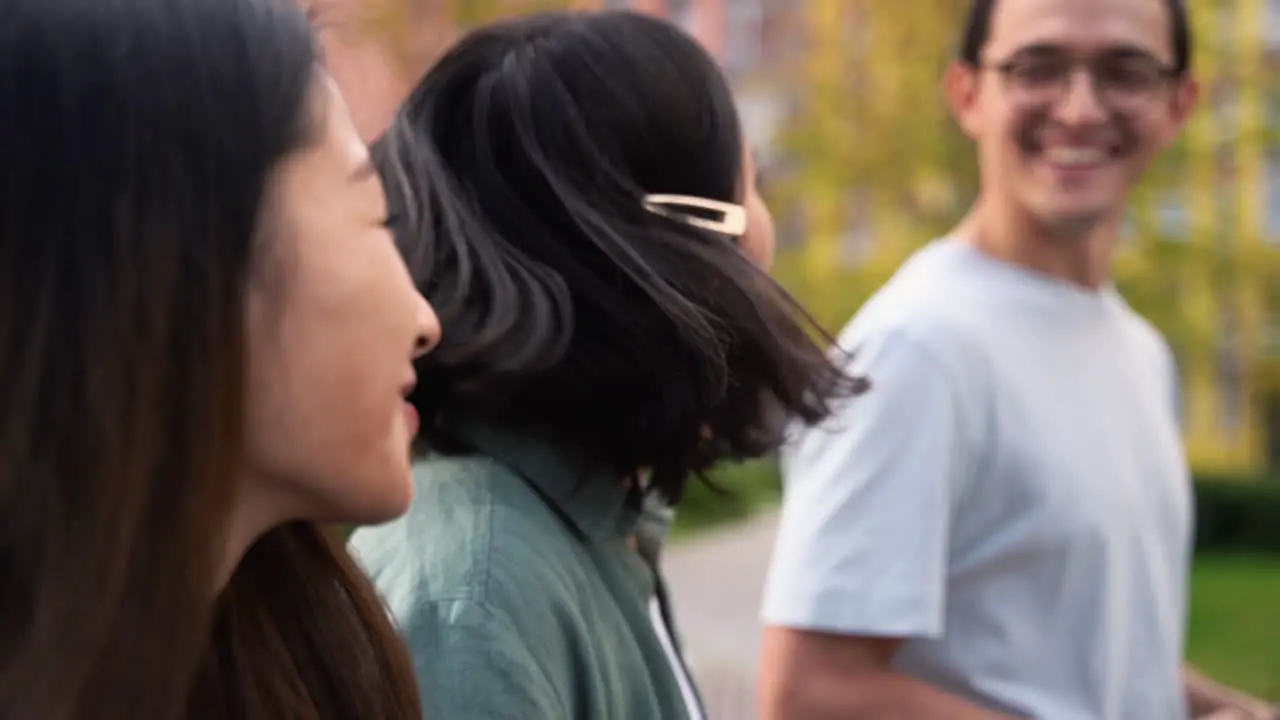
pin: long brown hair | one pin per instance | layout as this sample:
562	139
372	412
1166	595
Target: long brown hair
298	629
135	143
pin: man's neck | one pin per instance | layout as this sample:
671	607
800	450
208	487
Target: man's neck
1082	256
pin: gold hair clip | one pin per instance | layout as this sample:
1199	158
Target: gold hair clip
732	220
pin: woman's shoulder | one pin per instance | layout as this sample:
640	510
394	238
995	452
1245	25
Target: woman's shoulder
460	498
475	531
473	474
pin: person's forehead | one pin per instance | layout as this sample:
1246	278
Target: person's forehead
338	144
1081	25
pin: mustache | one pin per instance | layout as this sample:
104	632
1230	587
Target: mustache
1118	129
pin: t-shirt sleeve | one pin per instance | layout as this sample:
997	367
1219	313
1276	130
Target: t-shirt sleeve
473	662
1172	376
863	536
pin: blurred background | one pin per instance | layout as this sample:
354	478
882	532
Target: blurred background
862	165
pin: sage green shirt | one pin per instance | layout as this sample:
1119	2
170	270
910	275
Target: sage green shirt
515	587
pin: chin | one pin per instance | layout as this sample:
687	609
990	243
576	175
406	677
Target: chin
1074	216
382	500
377	514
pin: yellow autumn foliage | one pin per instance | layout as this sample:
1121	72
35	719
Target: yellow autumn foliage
879	169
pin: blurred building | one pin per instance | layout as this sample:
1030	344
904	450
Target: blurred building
1228	209
753	40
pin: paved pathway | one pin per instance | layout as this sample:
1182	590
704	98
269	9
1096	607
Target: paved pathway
715	581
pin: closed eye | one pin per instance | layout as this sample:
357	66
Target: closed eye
393	221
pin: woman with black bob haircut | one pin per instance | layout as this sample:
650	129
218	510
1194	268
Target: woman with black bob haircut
580	209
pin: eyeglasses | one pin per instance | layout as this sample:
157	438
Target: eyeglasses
1129	82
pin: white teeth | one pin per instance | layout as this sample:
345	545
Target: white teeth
1075	156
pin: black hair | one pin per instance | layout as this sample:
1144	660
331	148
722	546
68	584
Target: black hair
978	26
520	163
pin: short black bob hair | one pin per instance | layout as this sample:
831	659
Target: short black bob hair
978	26
518	167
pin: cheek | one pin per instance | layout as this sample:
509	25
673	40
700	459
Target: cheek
759	243
325	419
1016	135
999	147
1150	137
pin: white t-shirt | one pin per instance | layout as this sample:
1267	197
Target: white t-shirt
1011	496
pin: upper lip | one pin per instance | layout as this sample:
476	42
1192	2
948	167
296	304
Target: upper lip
408	387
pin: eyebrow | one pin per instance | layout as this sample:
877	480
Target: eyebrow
1119	51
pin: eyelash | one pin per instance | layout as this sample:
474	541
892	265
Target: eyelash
392	221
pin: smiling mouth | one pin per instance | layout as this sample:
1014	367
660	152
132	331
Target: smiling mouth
1045	140
412	421
1076	158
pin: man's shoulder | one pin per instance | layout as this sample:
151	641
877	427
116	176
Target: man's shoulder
928	301
1145	334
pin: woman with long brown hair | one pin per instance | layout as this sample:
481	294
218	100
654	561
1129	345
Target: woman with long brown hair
206	337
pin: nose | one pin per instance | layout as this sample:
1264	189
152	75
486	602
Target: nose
428	325
1080	105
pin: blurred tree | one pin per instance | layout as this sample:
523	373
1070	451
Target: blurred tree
877	168
376	48
469	13
1200	259
415	32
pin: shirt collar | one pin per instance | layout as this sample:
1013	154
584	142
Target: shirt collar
594	502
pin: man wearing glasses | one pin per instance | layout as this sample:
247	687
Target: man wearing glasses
1001	526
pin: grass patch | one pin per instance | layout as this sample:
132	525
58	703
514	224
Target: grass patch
737	491
1234	634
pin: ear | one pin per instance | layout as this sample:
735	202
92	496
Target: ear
1182	103
960	86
